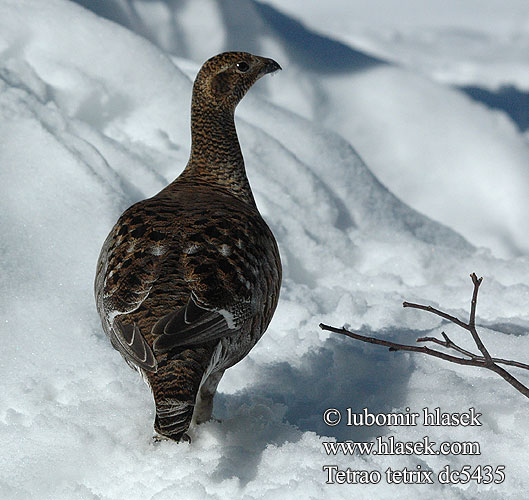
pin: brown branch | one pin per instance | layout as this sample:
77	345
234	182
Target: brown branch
449	344
401	347
472	320
444	315
484	361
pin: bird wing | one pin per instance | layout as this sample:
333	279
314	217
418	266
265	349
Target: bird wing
220	283
196	323
222	298
128	267
129	341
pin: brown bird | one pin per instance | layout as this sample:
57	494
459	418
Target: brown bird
188	280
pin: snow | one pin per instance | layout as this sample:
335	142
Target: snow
93	117
463	42
370	78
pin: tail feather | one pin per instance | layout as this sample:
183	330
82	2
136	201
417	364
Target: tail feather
175	387
173	418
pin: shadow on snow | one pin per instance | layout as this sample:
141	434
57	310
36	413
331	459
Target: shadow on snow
290	400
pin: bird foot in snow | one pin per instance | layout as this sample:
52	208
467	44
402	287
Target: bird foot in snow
158	438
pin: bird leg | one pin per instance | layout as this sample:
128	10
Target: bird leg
204	402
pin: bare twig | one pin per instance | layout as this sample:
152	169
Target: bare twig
453	319
448	343
401	347
484	361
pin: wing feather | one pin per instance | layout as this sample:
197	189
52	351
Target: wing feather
126	273
193	323
132	345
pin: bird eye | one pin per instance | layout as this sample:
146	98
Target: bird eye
243	66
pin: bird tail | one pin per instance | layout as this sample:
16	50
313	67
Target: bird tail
173	418
175	387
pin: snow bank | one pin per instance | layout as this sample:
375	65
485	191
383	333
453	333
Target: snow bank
470	42
428	142
93	118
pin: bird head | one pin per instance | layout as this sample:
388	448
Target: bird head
224	79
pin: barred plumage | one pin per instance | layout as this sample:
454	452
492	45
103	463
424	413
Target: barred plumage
188	280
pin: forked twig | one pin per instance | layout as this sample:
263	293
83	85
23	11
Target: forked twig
448	343
484	361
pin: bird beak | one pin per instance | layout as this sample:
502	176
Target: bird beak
269	66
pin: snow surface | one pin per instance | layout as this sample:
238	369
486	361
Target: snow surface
94	118
369	71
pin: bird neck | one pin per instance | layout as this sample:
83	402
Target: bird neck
216	156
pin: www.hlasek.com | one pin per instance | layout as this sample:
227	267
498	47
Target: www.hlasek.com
390	446
480	474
